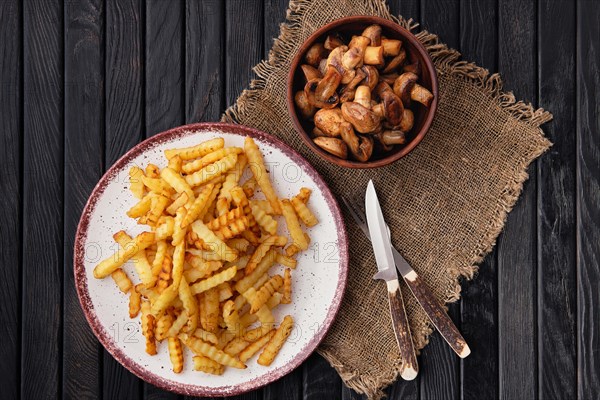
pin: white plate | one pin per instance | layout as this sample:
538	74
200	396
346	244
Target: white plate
318	281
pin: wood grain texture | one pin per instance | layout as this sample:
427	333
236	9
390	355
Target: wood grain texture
11	43
442	18
409	368
204	60
479	307
319	379
517	246
588	200
124	128
42	239
557	273
83	146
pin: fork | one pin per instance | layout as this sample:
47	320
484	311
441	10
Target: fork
434	310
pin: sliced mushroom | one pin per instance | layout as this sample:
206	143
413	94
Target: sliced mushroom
335	146
315	54
362	119
362	96
392	105
335	60
358	77
329	121
389	78
373	32
378	109
347	93
415	68
333	41
395	62
372	76
380	144
356	50
310	89
407	88
310	72
391	47
306	109
408	121
360	146
393	137
328	85
373	55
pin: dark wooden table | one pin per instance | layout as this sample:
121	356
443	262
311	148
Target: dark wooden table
83	81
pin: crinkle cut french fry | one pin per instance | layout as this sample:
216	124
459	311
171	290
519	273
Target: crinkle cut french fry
261	251
152	171
292	250
170	293
135	182
161	252
200	150
226	218
179	231
307	217
293	224
176	181
268	223
122	280
261	269
165	229
235	346
195	209
218	246
159	203
276	342
211	171
206	336
209	158
304	194
148	328
175	163
286	261
231	317
180	201
107	266
231	180
287	287
205	267
257	166
163	324
178	324
213	281
232	229
265	292
207	350
135	301
176	354
190	305
250	186
263	205
254	347
209	310
141	207
157	186
239	244
224	291
165	274
207	365
248	319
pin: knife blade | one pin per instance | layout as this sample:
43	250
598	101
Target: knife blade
382	247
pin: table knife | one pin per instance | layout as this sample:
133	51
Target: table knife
382	247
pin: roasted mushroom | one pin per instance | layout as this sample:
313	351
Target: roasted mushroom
310	89
415	68
335	146
395	62
393	137
358	77
328	85
315	54
360	146
356	50
392	105
389	78
408	121
362	96
306	109
391	47
362	119
371	76
347	93
335	60
328	121
310	72
380	145
323	66
373	32
374	55
317	132
407	88
333	41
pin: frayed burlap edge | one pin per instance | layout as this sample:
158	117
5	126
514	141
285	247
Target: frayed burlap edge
447	61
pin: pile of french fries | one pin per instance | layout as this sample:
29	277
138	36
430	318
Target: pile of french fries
204	264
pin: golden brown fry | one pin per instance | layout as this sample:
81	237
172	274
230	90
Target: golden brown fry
250	186
210	158
178	324
231	317
231	181
176	181
277	341
218	246
254	347
159	257
226	218
293	225
180	201
141	207
190	305
207	365
209	310
268	223
265	292
239	244
304	194
262	250
287	287
205	268
232	229
211	171
286	261
196	208
257	166
157	186
263	205
163	325
179	230
176	163
307	217
158	205
207	350
261	269
235	346
107	266
200	150
176	354
206	336
135	301
213	281
165	229
170	293
152	171
135	182
224	291
122	280
292	250
148	328
165	274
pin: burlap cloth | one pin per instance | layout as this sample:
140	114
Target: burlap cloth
446	202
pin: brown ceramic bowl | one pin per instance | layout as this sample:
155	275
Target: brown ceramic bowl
416	53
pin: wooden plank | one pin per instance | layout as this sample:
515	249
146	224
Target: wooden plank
440	367
319	379
124	129
479	309
349	394
11	43
204	63
588	200
42	239
517	247
83	166
557	291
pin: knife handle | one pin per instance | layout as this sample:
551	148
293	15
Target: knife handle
437	314
409	367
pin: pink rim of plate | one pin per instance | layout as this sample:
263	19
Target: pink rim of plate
105	337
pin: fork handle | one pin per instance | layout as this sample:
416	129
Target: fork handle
409	367
437	314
